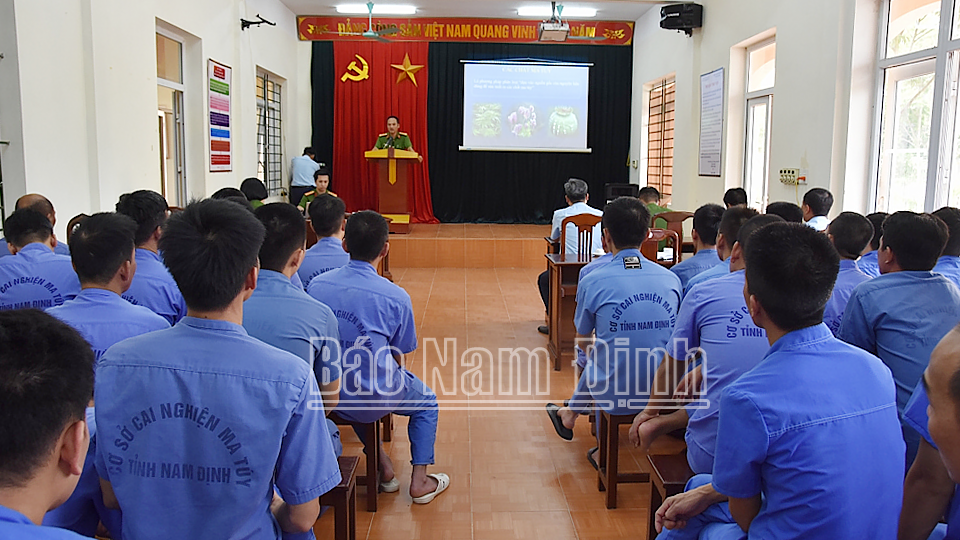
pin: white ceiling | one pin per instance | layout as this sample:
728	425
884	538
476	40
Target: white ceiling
609	10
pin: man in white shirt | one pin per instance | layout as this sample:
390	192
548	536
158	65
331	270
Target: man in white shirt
301	174
816	205
576	195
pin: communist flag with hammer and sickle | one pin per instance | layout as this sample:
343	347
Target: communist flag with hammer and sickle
376	80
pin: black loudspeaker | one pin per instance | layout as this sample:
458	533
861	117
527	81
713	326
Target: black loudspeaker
683	17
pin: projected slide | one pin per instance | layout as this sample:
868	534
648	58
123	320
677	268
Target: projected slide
525	107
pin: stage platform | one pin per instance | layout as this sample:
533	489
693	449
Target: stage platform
470	245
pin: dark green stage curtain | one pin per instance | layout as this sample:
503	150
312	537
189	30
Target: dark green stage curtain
322	77
519	187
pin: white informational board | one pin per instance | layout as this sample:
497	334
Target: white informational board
524	106
711	123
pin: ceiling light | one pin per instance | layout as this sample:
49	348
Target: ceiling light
378	9
544	11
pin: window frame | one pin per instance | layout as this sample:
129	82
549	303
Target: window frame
764	94
662	85
939	154
275	187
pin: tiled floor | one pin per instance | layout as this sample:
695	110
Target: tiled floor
511	476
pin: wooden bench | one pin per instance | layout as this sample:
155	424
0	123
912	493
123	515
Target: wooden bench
372	479
669	477
608	475
343	499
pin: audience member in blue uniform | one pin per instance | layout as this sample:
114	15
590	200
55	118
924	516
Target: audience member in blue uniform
798	445
584	272
931	489
35	277
104	260
901	315
199	424
41	204
626	311
733	218
327	217
850	233
790	212
868	260
928	489
714	328
706	223
153	287
816	205
106	266
46	382
376	324
576	194
949	263
281	314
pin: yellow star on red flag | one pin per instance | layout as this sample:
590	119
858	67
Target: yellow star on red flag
407	69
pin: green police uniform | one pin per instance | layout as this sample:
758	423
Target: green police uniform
401	142
309	197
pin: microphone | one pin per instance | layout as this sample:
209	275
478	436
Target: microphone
390	142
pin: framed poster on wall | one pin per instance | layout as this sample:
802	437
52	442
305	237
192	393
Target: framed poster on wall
711	122
221	142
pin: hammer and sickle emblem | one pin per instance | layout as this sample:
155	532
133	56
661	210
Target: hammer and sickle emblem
358	73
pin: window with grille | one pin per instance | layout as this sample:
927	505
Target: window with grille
269	135
660	118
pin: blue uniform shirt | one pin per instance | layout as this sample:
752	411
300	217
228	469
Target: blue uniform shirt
594	264
814	428
37	278
61	249
949	267
868	264
915	415
103	318
284	316
327	254
154	288
632	309
847	280
375	318
16	526
901	317
715	319
199	423
705	259
721	269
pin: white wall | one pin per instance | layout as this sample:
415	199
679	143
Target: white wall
78	97
826	69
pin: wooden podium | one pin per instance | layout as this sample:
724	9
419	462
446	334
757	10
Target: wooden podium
393	168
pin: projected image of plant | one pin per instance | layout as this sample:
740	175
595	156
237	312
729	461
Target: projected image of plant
523	121
486	119
563	122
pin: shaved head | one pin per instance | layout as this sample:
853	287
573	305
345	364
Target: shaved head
942	381
35	201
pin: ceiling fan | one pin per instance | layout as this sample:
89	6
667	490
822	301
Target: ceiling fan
371	33
556	17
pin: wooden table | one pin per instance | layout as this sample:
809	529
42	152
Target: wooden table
564	273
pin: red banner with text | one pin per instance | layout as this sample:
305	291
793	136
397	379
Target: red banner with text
462	30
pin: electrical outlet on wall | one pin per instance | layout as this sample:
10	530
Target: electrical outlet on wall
792	177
